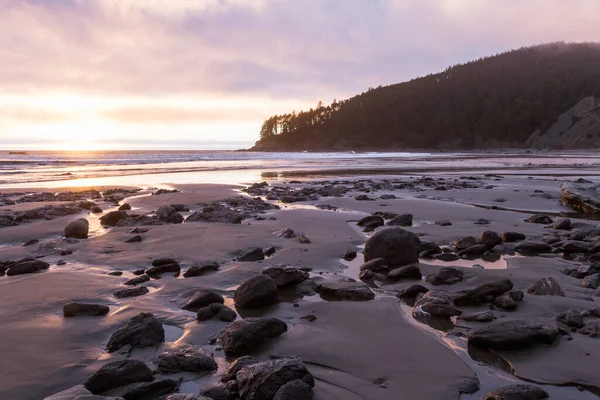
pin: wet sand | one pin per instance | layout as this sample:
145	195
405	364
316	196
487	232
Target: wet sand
355	350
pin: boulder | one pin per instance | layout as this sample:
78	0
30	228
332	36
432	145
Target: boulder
285	276
294	390
262	381
217	311
513	335
473	251
539	219
118	373
411	291
78	392
482	316
447	257
27	266
156	271
244	336
584	198
445	276
571	318
517	392
184	361
562	224
255	254
505	302
77	229
168	215
464	243
202	298
592	330
375	265
436	303
258	291
238	364
130	292
489	239
546	287
575	246
398	246
371	221
352	291
200	269
151	390
96	210
137	280
143	330
590	281
531	248
513	237
125	207
406	272
113	218
349	255
75	309
481	293
401	220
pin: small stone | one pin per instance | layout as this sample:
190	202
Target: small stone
443	222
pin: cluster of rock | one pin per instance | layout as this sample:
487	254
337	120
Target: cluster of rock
23	266
47	212
164	215
61	196
232	210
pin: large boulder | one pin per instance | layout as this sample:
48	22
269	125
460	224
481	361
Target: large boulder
353	291
263	380
113	218
143	330
398	246
244	336
517	392
513	335
77	229
258	291
27	266
118	373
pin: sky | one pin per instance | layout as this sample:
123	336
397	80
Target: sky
204	74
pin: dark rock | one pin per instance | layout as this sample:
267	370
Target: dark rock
401	220
375	265
294	390
464	243
539	219
180	207
115	273
546	286
139	272
349	255
151	390
371	221
505	302
269	251
592	330
353	291
125	207
77	229
138	280
217	213
218	393
590	281
516	295
491	256
482	316
82	309
118	373
168	215
217	311
143	330
188	361
481	221
473	251
163	269
96	210
263	380
255	254
571	318
133	292
244	336
517	392
406	272
200	269
366	275
285	276
513	236
286	233
443	222
489	239
301	238
445	276
398	246
513	335
411	292
573	246
562	224
139	230
447	257
527	248
387	197
480	293
362	197
203	298
31	242
113	218
437	303
584	198
238	364
26	266
134	239
256	292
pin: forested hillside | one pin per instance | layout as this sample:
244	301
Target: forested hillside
497	101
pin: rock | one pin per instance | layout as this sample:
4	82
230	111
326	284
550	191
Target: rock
362	197
505	302
218	393
238	364
82	309
180	207
473	251
513	237
489	239
481	221
528	248
445	276
217	213
447	257
366	275
168	215
115	273
113	218
286	233
387	197
269	251
480	293
307	288
584	198
96	210
78	392
590	281
26	266
352	291
573	246
139	272
371	221
217	311
256	292
143	330
262	381
200	269
118	373
539	219
464	243
203	298
301	238
375	265
516	295
517	392
546	286
31	242
77	229
406	272
491	256
513	335
134	239
411	292
592	330
151	390
398	246
138	280
184	361
185	396
255	254
482	316
244	336
443	222
401	220
285	276
571	318
133	292
349	255
437	303
125	207
294	390
163	269
562	224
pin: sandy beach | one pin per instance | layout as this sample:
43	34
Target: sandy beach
343	317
